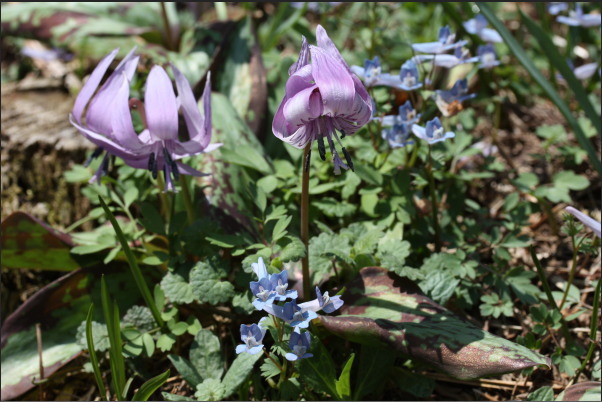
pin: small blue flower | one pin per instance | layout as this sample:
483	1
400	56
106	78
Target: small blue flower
409	76
557	7
449	102
433	132
487	56
371	74
397	127
263	291
578	19
279	284
398	135
478	26
460	56
292	314
447	41
299	343
322	302
252	337
260	269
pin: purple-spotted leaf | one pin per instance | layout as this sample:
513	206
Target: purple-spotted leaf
385	309
60	307
30	243
584	391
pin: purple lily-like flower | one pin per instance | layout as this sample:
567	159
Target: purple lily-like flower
587	221
109	124
252	338
487	56
322	302
299	343
449	101
433	132
291	313
447	41
578	19
478	26
460	56
409	76
322	97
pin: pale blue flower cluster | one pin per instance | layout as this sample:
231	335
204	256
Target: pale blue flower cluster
272	288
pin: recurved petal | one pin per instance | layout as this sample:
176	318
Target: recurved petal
336	84
304	106
300	80
328	45
90	86
161	107
303	59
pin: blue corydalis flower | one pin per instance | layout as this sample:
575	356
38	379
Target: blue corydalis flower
371	74
433	132
587	221
409	76
252	338
578	19
263	292
487	56
323	302
447	41
478	26
450	102
460	56
398	135
109	125
397	127
299	343
279	285
557	7
582	72
292	314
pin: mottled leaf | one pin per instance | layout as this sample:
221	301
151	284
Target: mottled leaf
206	355
384	309
584	391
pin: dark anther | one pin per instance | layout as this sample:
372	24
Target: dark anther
343	134
105	164
348	159
321	148
94	155
151	162
307	161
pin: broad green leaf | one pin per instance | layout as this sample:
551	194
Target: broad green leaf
526	61
211	389
238	372
280	227
545	393
380	307
294	250
319	371
176	288
343	384
150	386
568	179
207	285
206	355
373	362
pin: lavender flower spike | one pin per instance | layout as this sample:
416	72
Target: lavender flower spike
433	132
299	343
322	97
252	337
109	122
587	221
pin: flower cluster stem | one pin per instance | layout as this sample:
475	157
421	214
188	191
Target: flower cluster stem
184	183
434	206
305	220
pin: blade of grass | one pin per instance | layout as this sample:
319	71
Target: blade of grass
133	263
149	387
524	59
115	356
557	60
592	333
93	358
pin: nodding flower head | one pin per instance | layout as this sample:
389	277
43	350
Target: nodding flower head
252	338
446	41
299	344
108	122
323	98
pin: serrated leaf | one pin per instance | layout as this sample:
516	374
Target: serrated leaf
186	370
380	307
568	179
269	369
211	389
238	372
165	342
294	250
206	355
393	253
177	289
207	287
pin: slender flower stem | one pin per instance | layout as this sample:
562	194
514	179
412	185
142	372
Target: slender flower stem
184	183
572	272
169	38
305	220
272	359
412	160
434	206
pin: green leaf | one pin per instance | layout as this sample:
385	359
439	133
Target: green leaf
418	385
206	355
149	344
149	387
212	389
525	60
177	289
93	358
280	227
130	196
111	314
294	250
206	285
177	328
100	336
174	397
186	370
238	372
568	179
569	364
247	156
343	384
374	361
319	372
165	342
